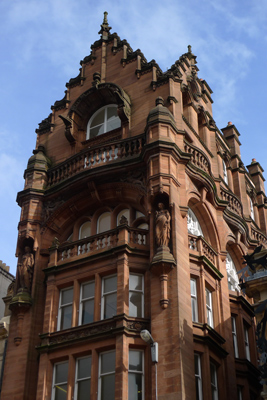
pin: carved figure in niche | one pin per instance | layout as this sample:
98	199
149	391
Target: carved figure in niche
25	269
163	227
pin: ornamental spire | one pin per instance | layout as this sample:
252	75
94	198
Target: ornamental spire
105	28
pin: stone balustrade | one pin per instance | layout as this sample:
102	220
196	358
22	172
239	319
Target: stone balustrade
234	203
259	236
198	158
95	157
198	243
68	251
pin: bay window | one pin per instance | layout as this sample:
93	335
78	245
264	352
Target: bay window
193	286
109	297
214	383
86	311
83	378
106	390
60	381
136	295
198	377
135	375
246	343
65	309
209	308
234	333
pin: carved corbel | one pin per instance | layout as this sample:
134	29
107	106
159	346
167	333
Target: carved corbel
19	305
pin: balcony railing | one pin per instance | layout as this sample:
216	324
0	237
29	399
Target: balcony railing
134	237
259	236
198	157
95	157
233	202
199	244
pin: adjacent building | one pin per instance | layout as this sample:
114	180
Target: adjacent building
135	215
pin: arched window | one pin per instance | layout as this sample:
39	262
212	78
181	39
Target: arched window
104	222
193	225
232	277
225	177
123	213
104	120
251	209
85	230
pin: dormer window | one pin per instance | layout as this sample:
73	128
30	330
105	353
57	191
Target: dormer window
104	120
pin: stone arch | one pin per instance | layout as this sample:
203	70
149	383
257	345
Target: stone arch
95	98
206	220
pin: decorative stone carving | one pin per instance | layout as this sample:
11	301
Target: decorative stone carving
163	260
25	270
163	227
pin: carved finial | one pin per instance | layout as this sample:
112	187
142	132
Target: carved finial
189	48
105	20
105	28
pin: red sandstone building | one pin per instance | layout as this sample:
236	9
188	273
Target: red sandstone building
135	215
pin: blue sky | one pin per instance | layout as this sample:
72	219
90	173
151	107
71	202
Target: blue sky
43	41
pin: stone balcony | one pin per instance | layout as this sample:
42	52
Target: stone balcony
134	238
94	157
198	244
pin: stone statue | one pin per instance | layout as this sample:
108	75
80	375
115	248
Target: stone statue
163	228
25	268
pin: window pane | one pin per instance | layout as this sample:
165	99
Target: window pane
136	282
135	305
135	386
110	284
193	224
84	389
96	131
66	316
61	371
108	387
213	374
61	392
110	307
66	296
193	287
135	360
88	311
208	297
108	362
113	123
88	290
85	230
196	365
98	119
84	367
112	112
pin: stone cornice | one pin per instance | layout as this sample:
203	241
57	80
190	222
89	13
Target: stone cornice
100	330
